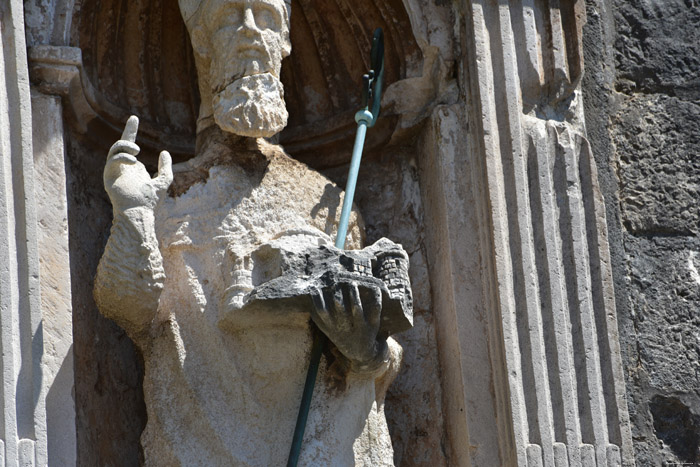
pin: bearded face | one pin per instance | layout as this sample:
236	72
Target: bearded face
251	106
239	46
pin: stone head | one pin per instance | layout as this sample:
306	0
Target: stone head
239	46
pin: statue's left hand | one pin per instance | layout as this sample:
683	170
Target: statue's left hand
350	317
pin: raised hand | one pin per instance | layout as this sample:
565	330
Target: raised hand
350	317
127	181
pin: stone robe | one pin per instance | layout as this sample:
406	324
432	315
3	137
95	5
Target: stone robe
230	395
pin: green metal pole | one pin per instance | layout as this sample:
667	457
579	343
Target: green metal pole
316	351
364	119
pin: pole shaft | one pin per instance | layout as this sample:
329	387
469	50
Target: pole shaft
320	338
316	351
352	182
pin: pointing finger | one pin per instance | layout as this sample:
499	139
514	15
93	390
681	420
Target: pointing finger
130	129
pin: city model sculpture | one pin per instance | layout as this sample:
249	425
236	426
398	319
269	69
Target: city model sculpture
217	266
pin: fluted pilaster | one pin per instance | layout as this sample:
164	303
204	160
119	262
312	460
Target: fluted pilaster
549	236
546	294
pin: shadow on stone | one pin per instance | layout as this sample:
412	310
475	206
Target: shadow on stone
677	427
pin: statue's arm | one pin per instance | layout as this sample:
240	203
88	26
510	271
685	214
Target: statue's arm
130	275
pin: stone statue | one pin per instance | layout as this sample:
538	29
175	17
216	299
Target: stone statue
216	267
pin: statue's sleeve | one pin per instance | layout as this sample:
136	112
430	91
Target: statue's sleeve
389	372
383	370
130	275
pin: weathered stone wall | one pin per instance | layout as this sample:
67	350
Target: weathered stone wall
643	114
38	414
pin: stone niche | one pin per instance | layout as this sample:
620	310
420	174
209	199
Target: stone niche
138	59
109	59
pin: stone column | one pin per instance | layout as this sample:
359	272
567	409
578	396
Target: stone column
35	317
23	434
546	387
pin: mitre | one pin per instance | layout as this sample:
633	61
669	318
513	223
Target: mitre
189	8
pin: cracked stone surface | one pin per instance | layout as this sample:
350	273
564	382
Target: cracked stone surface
659	167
